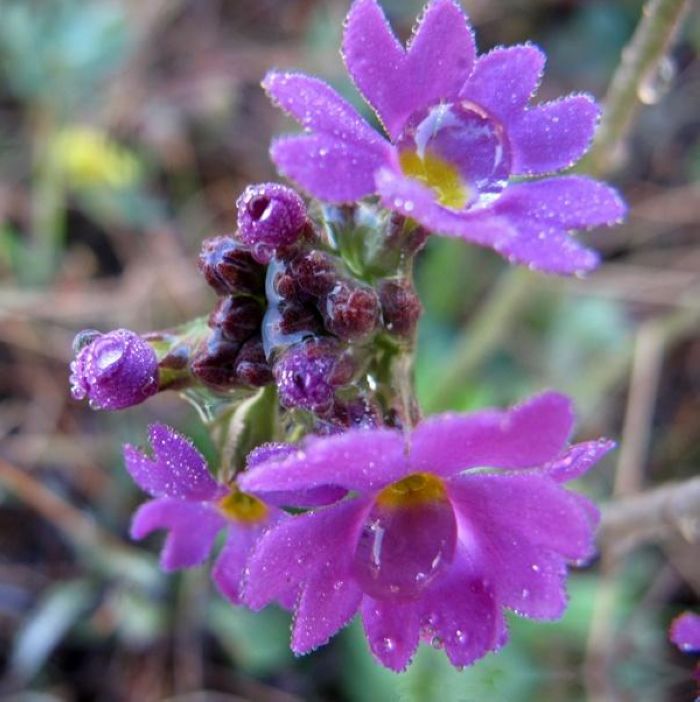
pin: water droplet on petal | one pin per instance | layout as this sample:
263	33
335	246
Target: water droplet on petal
459	151
403	548
387	644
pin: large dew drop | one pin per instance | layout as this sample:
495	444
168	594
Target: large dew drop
403	548
459	151
108	354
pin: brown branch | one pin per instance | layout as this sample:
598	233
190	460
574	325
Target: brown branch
652	516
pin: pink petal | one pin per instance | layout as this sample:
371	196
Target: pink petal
192	527
289	554
327	168
313	497
553	136
505	79
567	202
545	247
463	616
319	108
377	63
522	528
177	469
577	460
392	629
230	565
361	459
534	506
440	56
517	236
439	59
328	602
527	435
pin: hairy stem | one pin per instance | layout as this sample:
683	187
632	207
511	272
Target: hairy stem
638	66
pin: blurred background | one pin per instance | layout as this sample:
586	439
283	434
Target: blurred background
127	130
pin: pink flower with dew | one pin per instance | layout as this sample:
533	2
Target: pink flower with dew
444	528
685	632
194	508
461	141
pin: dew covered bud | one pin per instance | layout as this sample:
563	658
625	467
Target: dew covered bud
229	267
401	307
252	367
315	272
270	216
287	323
308	373
237	317
359	412
351	310
114	370
214	363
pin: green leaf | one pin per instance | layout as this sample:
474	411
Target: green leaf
252	423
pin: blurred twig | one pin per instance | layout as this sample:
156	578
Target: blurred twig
105	552
653	515
638	66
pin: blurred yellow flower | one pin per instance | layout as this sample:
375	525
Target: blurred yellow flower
88	158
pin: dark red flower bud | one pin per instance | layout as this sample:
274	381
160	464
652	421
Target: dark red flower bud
351	310
214	363
401	307
229	267
315	272
251	367
237	317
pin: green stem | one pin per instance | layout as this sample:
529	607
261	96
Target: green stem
638	65
490	326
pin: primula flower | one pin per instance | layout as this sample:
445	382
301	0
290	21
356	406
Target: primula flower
114	370
433	545
459	138
685	632
194	508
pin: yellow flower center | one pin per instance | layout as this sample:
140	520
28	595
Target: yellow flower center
416	489
242	507
443	178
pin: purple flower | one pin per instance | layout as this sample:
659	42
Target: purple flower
114	370
459	129
464	516
194	508
685	632
270	216
308	374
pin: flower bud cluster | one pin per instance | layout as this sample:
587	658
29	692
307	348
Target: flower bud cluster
308	323
232	355
289	312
